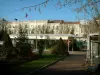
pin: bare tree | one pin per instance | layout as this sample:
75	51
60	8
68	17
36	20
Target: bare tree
66	29
33	30
87	7
23	33
89	28
91	7
3	24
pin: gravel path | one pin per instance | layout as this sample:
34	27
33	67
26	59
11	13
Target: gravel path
74	64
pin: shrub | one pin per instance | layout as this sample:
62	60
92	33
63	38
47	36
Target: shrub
41	45
53	50
24	49
3	54
11	52
60	48
75	45
35	56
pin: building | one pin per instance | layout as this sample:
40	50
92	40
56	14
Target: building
38	29
45	27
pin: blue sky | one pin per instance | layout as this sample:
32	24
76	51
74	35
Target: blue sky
8	11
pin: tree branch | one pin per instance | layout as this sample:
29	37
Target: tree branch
45	2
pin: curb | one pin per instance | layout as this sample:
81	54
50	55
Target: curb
37	70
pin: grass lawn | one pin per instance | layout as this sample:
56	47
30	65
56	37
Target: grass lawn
36	64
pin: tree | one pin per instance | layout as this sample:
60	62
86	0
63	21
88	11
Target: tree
75	45
23	33
72	31
60	48
88	29
7	40
3	24
90	8
41	45
24	48
7	48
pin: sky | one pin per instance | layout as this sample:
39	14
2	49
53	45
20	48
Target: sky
9	11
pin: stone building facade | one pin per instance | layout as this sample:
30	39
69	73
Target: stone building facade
45	27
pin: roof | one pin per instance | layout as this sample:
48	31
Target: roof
71	23
48	21
62	22
55	21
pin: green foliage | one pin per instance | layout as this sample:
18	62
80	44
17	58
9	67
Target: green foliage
11	52
7	48
77	45
60	48
74	45
24	49
50	43
3	54
41	45
81	44
5	37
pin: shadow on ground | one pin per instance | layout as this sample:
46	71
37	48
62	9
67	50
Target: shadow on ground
61	72
53	72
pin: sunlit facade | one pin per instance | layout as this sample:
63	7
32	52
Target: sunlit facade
45	27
